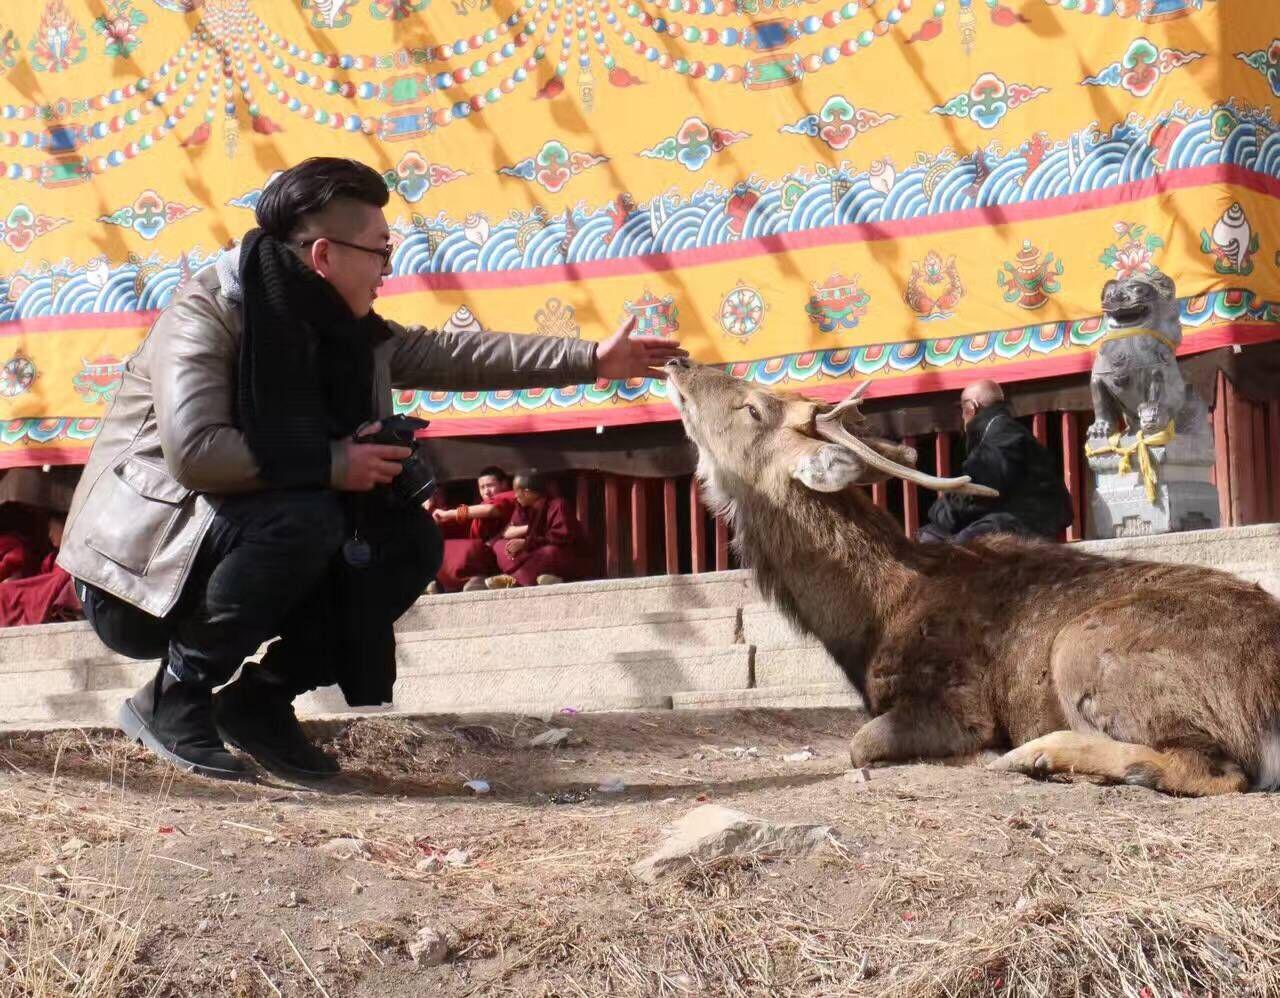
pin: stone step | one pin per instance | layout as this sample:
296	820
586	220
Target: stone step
615	681
757	697
616	598
527	647
607	598
530	644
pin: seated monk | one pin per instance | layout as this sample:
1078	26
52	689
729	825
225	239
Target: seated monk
21	544
469	530
542	545
44	597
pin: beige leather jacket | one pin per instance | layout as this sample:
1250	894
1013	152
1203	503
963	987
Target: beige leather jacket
168	447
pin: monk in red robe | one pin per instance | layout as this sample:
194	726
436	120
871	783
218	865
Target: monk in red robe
469	530
44	596
543	543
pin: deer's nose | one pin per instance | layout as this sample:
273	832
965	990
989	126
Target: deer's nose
678	364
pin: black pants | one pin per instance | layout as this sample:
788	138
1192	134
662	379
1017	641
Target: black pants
992	523
271	565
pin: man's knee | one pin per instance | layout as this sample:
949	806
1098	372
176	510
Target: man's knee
123	628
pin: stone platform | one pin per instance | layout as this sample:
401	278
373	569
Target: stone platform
666	642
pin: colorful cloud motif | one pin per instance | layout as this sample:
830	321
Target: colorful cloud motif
838	123
149	214
554	166
1141	67
989	100
414	176
1267	62
693	144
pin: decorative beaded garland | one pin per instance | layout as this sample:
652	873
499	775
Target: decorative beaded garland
249	50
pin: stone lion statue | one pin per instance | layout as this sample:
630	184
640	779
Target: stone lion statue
1136	384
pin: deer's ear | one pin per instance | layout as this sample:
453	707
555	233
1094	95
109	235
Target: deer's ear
828	468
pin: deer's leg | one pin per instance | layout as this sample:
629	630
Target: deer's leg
912	731
1119	702
1181	771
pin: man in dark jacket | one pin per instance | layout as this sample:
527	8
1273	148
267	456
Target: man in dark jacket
232	496
1003	454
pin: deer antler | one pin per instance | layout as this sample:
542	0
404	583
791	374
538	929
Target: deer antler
830	428
852	403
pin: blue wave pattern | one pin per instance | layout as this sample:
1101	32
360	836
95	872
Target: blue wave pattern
1087	160
1027	343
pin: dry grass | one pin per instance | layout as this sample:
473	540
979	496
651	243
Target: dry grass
74	930
946	883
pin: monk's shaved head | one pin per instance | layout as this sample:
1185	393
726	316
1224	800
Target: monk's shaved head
978	396
985	392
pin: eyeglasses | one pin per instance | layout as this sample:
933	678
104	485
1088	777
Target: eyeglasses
385	252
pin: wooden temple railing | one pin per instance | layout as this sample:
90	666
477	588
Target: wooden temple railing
660	526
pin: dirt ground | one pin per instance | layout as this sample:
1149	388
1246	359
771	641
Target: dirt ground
118	877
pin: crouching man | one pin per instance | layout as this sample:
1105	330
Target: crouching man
229	498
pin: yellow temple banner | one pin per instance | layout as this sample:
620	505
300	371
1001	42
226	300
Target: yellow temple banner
810	192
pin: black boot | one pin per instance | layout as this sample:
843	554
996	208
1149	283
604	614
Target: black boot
175	720
257	717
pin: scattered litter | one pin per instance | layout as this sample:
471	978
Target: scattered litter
71	847
569	710
569	797
457	857
612	785
428	948
478	786
744	752
432	864
551	738
858	775
803	755
346	848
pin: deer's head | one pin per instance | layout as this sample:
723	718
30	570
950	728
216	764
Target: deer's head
751	440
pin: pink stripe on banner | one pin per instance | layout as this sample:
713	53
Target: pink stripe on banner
87	320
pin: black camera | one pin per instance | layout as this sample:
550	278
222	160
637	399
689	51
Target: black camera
417	479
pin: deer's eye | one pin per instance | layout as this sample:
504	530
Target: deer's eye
753	412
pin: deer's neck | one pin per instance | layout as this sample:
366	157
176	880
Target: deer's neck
835	563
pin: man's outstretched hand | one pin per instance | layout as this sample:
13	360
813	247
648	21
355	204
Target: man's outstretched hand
624	356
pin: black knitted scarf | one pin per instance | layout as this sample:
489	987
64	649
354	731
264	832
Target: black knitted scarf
306	365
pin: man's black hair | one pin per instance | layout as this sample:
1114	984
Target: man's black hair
532	480
493	471
312	186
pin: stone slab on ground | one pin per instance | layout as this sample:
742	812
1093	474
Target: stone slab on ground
713	832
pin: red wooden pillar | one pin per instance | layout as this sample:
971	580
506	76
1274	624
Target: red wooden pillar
722	545
612	527
1222	450
639	527
1040	428
910	501
670	535
582	503
697	529
1073	474
942	455
880	494
1258	467
1240	456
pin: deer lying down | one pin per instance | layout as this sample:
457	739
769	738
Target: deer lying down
1165	676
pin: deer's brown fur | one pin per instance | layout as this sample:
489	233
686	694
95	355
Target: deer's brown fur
1164	675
